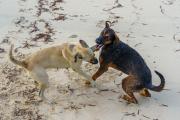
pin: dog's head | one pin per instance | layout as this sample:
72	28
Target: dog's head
107	36
84	52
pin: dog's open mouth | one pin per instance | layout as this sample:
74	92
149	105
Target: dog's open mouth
96	47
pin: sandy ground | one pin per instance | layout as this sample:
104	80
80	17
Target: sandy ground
151	27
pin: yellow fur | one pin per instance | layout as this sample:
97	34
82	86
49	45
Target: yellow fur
60	56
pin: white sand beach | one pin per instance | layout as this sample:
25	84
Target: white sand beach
151	27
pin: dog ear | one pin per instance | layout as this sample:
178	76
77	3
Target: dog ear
77	56
116	41
107	24
83	43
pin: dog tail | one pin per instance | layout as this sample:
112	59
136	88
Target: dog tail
15	61
161	86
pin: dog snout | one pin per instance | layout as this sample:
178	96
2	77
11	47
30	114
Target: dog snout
99	40
94	61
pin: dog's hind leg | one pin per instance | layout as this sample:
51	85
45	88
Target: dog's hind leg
144	92
39	74
42	89
129	85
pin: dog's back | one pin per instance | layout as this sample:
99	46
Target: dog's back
47	58
127	59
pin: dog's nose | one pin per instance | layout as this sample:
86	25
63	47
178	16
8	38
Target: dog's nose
94	61
99	40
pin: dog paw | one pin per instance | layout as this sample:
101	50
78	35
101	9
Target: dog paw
93	84
129	99
88	83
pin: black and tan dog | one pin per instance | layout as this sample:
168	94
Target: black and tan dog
120	56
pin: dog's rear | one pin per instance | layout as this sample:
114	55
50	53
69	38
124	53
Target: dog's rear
160	86
15	61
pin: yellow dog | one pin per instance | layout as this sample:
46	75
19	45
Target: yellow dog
67	55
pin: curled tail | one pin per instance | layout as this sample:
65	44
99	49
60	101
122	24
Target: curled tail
15	61
161	86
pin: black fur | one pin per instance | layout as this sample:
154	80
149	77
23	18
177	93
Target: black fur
126	59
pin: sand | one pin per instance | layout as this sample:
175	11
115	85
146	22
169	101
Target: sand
151	27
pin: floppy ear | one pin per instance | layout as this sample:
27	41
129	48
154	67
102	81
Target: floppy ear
107	24
77	56
116	41
83	43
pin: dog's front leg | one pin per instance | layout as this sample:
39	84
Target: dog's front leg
101	70
88	77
